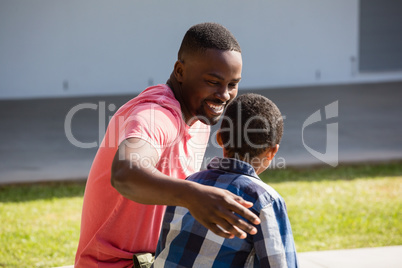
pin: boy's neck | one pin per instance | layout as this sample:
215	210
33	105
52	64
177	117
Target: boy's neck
259	163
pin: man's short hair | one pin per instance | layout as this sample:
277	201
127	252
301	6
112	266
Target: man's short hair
207	35
252	123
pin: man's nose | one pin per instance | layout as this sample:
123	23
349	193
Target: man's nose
223	93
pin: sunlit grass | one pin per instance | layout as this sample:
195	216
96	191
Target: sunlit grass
39	224
346	207
329	208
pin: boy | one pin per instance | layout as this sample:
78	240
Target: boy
249	135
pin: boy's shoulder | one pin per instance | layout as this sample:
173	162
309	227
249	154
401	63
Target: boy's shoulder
206	177
253	185
240	181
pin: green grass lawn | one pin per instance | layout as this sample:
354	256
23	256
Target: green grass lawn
40	224
329	208
343	207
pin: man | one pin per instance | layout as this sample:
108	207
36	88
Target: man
151	143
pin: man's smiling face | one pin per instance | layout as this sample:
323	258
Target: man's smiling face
209	82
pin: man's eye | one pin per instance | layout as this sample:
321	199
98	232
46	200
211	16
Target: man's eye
213	82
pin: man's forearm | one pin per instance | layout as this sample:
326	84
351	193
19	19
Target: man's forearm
211	206
148	185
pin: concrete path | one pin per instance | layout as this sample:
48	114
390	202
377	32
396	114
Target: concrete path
384	257
57	139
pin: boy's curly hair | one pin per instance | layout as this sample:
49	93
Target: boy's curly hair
251	124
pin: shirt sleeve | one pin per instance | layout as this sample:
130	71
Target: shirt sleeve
151	123
274	244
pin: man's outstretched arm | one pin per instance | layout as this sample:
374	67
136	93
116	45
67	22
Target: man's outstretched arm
135	177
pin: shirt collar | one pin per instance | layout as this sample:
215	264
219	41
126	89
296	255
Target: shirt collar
232	165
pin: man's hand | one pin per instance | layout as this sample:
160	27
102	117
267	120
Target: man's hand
214	208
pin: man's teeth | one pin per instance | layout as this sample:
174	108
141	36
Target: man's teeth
216	107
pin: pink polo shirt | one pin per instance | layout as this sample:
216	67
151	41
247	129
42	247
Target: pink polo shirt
113	228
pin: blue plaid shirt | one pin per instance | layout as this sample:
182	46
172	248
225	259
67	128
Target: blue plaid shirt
184	242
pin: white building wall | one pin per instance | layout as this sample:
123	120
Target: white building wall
86	47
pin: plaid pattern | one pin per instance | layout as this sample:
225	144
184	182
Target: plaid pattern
184	242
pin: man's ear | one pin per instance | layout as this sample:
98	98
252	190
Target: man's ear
179	70
271	152
219	138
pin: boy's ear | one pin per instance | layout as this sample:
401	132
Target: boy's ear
271	152
179	70
219	138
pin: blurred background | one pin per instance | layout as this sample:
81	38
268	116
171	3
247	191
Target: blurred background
66	66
